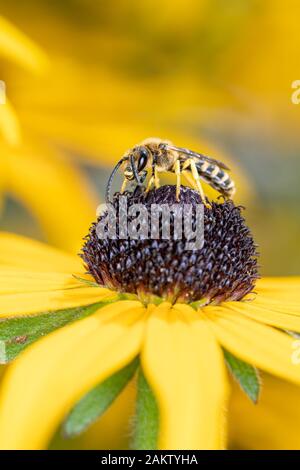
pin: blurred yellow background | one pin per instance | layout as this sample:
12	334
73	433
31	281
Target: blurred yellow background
85	80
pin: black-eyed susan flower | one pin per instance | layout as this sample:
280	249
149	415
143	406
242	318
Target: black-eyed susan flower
147	304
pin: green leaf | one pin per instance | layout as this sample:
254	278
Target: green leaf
146	421
245	374
95	402
18	332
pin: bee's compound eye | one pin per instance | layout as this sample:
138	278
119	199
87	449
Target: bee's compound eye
143	157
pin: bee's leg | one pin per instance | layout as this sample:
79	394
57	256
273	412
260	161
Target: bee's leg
178	178
186	164
124	184
189	178
187	174
150	182
197	181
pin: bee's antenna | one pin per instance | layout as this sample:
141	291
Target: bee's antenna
134	170
109	183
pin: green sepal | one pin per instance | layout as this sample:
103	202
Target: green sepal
96	402
146	420
246	375
87	282
199	303
17	333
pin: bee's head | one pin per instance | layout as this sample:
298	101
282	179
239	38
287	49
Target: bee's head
137	161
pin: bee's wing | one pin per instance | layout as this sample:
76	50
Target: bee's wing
200	156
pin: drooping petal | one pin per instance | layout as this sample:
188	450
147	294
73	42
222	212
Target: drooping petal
268	315
260	345
49	377
17	46
185	368
31	255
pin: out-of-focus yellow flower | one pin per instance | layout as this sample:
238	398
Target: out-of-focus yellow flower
9	124
18	47
264	62
50	188
43	381
33	171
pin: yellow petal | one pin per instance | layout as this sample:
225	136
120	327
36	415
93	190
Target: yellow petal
278	284
42	385
51	300
14	281
17	46
278	289
56	193
30	291
9	123
267	315
185	368
31	255
282	306
260	345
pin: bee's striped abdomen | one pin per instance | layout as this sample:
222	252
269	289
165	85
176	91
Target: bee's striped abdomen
217	178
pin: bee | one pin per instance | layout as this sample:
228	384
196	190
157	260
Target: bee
159	156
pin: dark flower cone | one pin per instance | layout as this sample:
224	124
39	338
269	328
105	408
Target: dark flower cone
225	268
